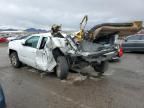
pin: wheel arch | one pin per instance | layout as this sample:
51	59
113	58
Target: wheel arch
11	51
57	52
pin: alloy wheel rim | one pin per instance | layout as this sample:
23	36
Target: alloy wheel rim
13	60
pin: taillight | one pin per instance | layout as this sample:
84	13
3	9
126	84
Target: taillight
120	52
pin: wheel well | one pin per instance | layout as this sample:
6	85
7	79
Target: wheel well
57	52
11	51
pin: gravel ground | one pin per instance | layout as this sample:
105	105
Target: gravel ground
121	87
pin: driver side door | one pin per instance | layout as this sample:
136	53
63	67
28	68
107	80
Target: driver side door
28	50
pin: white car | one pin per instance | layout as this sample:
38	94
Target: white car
11	38
47	53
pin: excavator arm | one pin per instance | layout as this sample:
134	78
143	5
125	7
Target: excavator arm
80	35
123	29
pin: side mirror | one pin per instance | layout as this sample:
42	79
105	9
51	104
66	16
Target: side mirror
126	40
23	42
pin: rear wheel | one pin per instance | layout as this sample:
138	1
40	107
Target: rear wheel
15	60
62	67
100	68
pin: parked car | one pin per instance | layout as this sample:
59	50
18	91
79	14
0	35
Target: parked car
134	43
21	37
2	99
3	39
16	38
12	38
48	53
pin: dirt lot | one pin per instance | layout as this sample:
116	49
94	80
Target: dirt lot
122	86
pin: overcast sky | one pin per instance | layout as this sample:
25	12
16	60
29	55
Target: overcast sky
44	13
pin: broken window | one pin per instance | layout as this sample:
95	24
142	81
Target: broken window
43	42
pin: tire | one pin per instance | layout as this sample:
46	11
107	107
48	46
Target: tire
62	67
101	68
15	60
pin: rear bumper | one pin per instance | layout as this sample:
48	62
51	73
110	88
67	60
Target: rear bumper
98	56
97	53
115	58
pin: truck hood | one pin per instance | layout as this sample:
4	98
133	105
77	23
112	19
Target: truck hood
123	29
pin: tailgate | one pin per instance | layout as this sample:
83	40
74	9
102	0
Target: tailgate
98	56
105	52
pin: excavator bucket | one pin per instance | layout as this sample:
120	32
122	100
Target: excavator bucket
123	29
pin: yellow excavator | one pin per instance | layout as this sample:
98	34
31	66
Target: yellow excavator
105	29
80	35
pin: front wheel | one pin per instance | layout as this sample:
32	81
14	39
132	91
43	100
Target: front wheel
101	68
15	60
62	67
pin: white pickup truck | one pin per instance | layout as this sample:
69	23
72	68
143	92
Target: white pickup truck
52	54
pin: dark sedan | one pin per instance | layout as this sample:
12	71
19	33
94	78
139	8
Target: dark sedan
2	98
133	43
